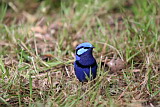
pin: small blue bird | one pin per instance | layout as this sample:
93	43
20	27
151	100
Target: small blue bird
85	65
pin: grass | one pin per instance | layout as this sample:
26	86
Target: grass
37	46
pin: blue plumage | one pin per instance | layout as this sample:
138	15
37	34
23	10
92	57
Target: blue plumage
85	64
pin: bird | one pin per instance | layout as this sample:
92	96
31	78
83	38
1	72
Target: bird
85	65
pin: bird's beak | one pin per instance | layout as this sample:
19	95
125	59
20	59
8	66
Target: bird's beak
92	47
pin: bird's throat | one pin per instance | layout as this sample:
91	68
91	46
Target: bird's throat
87	59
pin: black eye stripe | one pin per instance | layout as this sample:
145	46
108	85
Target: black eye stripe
82	47
86	47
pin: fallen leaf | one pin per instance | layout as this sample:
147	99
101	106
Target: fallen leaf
75	43
116	64
47	57
40	29
30	18
4	43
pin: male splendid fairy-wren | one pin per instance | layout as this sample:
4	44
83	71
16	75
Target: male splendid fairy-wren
85	65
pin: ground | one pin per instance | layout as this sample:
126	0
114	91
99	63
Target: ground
37	47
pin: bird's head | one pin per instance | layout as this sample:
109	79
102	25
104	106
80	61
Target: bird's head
83	48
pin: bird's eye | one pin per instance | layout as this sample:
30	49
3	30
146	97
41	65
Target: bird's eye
86	47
